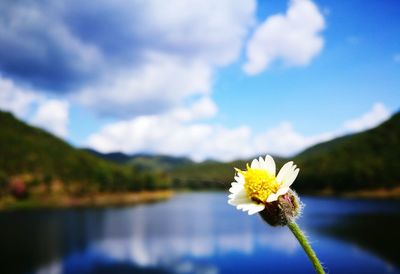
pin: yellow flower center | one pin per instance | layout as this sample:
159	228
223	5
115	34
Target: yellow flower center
259	184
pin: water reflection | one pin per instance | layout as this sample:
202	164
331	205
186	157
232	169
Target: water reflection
193	233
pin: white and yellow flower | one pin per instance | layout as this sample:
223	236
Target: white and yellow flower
257	186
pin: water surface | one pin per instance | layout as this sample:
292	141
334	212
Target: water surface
199	233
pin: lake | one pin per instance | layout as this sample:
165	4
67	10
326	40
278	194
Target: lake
199	233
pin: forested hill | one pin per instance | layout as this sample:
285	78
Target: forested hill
146	162
370	159
35	157
366	160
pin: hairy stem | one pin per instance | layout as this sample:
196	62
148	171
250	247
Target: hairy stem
307	247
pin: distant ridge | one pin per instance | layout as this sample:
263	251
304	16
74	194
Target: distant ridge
361	161
369	159
144	161
37	157
117	157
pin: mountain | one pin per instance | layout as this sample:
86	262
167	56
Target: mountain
366	160
144	161
116	157
36	157
157	162
208	174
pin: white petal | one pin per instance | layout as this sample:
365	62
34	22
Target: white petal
239	197
261	162
236	187
255	164
250	207
282	190
242	200
236	202
270	165
272	197
256	208
282	173
245	206
241	194
232	202
290	178
234	190
239	178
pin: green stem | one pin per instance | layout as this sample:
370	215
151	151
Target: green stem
306	246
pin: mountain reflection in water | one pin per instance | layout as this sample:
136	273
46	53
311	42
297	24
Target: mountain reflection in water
192	233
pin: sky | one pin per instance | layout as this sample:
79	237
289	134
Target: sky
204	79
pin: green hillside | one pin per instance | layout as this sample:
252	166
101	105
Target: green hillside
157	162
367	160
116	157
37	157
144	162
208	174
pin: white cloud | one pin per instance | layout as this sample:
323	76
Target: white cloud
374	117
284	140
201	109
177	132
204	30
52	115
16	99
157	54
162	135
183	135
181	62
156	86
180	45
49	114
293	38
37	35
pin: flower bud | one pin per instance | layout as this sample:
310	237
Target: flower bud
283	211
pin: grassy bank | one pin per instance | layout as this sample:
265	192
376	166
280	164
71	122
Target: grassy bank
376	193
380	193
94	200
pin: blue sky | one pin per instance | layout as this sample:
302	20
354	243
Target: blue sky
204	79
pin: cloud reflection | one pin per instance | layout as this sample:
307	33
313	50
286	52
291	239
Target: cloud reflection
170	237
200	233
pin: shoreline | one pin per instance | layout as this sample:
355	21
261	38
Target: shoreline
94	200
378	193
109	199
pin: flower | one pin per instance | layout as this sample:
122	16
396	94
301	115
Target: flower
258	190
257	187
